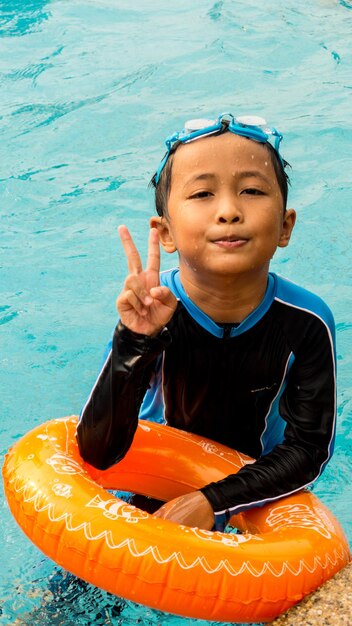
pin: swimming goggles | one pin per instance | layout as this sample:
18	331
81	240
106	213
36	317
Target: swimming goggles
250	126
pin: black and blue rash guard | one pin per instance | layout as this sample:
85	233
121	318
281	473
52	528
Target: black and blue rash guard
265	387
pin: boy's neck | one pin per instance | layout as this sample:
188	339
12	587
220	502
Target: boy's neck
226	299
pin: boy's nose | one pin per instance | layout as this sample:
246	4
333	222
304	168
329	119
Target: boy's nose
228	213
228	220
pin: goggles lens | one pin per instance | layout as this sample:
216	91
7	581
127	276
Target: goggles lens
250	126
251	120
192	125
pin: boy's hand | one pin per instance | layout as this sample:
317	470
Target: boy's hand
192	510
144	306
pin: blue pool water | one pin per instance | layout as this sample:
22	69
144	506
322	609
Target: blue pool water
88	92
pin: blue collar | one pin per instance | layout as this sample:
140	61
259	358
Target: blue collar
171	279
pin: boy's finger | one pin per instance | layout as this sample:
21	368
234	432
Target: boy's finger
164	295
131	298
133	283
153	261
133	259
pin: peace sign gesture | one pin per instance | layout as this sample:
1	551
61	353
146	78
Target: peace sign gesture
144	306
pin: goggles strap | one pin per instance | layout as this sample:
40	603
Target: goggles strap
251	132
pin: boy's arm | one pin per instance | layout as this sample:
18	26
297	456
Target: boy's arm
308	406
110	416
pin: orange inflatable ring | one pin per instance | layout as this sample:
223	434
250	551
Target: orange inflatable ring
287	549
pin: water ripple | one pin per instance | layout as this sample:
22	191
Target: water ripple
31	173
215	13
8	317
42	115
32	72
103	183
346	3
20	18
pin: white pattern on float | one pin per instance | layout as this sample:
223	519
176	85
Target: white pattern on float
298	516
211	448
61	489
115	509
229	539
63	464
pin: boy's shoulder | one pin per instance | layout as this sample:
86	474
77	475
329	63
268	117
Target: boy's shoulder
298	297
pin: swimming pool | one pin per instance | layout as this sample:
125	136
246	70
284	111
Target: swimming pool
88	92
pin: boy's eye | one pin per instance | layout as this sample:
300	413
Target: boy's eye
252	191
201	194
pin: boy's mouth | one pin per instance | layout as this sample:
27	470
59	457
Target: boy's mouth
230	241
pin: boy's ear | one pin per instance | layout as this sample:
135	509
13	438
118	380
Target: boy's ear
288	223
165	236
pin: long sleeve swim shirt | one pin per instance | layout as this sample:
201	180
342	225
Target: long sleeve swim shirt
266	387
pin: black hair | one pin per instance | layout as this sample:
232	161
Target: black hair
162	188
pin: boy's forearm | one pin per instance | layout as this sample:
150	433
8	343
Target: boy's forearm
110	416
285	470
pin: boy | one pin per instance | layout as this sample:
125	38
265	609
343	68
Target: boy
220	346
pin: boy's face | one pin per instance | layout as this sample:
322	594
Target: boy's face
225	207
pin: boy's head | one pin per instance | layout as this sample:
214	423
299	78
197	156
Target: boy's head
222	193
251	127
